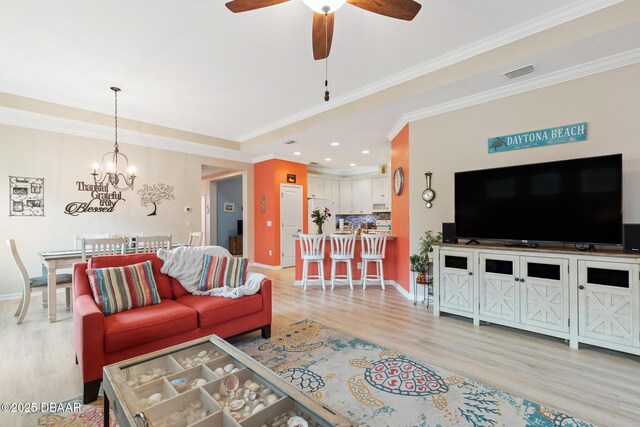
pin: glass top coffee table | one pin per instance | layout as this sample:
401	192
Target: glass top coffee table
207	382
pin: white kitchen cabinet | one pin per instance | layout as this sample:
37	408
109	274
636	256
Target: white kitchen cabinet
345	197
361	196
380	189
335	190
328	189
316	187
381	194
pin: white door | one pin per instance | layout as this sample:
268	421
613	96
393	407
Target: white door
290	222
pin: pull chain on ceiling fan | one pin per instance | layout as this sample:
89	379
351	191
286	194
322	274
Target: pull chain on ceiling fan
322	29
326	59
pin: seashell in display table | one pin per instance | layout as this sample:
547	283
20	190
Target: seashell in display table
297	422
229	384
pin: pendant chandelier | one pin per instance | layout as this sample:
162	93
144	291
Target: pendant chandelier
115	169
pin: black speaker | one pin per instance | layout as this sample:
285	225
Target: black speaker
631	238
449	232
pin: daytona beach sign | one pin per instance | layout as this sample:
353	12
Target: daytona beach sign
102	200
538	138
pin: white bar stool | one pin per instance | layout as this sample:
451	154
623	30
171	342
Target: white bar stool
373	250
312	250
342	248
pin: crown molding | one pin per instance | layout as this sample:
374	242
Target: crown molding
544	22
45	97
274	156
27	119
357	171
583	70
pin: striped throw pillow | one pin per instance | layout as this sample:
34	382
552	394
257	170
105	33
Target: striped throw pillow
218	272
117	289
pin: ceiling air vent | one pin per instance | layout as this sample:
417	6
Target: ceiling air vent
519	72
314	163
289	142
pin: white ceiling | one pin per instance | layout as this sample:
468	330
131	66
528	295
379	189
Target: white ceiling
198	67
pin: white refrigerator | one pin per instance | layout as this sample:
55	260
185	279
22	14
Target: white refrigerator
329	225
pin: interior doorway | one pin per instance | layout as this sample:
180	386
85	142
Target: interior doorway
290	222
224	205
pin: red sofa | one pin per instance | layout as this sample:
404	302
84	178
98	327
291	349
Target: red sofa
100	340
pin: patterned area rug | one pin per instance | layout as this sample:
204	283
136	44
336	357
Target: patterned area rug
375	386
89	415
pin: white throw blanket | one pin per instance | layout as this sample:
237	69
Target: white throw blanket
250	287
185	264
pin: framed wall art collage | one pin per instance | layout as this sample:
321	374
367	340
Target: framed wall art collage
26	196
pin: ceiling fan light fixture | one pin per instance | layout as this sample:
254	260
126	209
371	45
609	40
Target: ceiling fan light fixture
324	6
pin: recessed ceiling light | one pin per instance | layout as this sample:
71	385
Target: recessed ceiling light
296	153
365	151
328	159
335	144
352	164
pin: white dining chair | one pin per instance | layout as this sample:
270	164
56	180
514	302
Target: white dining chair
312	250
30	283
77	238
130	237
100	247
147	244
195	238
342	250
373	250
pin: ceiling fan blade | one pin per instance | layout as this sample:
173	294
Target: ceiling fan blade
236	6
322	40
401	9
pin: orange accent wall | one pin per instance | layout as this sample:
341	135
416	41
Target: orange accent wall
268	176
400	209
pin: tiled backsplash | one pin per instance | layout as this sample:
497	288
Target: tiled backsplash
356	220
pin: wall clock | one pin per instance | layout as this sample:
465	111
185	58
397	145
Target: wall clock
398	181
428	195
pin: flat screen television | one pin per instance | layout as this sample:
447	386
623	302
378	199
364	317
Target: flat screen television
569	201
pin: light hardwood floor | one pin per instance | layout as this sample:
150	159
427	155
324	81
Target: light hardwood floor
597	385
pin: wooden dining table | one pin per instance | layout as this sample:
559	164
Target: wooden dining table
54	260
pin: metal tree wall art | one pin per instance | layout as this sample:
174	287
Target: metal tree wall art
154	194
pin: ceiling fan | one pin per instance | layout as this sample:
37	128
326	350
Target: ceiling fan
322	30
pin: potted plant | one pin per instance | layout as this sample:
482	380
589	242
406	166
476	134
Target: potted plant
419	265
319	217
420	261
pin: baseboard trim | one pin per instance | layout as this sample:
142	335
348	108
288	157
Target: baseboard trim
18	295
403	291
327	282
15	295
265	266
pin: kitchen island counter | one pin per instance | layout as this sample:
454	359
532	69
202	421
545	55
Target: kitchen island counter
389	264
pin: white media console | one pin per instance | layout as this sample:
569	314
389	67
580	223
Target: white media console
584	297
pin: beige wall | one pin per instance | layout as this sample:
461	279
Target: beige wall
62	160
457	141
